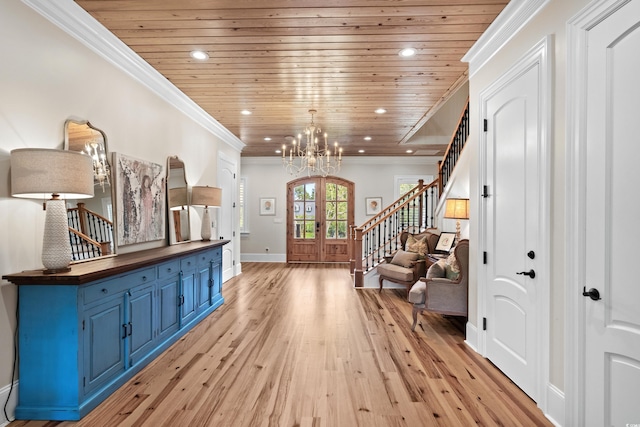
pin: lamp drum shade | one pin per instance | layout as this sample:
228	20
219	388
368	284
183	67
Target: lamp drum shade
457	209
37	173
206	196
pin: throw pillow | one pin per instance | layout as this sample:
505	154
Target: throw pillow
404	259
417	245
437	270
452	270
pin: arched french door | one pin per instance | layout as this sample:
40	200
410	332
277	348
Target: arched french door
319	212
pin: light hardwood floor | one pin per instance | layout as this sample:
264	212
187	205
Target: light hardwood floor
297	345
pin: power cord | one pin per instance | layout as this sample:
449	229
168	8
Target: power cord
15	360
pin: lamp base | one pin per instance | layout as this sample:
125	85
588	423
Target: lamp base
56	249
205	231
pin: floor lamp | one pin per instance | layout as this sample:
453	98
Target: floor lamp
457	209
38	173
208	197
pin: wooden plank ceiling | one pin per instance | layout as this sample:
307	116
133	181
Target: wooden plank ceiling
280	58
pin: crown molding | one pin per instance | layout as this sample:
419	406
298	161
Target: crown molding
508	23
75	21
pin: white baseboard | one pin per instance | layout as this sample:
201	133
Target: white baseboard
263	257
471	336
11	406
555	405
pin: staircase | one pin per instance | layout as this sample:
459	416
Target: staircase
90	234
413	212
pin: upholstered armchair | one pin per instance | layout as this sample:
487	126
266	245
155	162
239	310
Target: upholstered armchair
409	262
444	290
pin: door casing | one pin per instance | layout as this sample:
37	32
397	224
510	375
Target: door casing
539	55
579	30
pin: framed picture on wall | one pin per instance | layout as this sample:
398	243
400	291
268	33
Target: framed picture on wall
373	205
140	200
267	206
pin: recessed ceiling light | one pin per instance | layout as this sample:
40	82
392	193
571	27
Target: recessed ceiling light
199	55
367	138
381	111
409	151
266	138
246	112
278	151
407	52
360	151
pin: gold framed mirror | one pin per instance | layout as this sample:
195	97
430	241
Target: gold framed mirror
91	221
178	202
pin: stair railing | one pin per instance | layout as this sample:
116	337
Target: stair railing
84	247
413	212
456	144
88	230
379	236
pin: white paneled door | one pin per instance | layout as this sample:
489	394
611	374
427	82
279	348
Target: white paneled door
227	214
612	209
514	226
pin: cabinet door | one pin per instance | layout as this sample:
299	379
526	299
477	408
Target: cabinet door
188	297
216	279
140	325
168	296
204	287
103	337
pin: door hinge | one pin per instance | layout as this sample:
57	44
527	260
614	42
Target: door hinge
83	325
484	323
234	204
84	381
233	234
484	257
485	191
486	125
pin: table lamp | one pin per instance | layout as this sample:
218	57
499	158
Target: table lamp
206	196
457	209
38	173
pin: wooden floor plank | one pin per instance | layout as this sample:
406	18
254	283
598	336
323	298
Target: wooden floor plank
297	345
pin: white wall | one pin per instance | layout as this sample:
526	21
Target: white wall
373	177
551	20
46	77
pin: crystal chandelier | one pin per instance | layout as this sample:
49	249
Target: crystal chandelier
101	168
313	158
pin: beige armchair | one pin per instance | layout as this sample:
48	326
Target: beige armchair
409	263
437	293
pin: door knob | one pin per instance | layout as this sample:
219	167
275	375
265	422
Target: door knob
529	273
592	293
531	254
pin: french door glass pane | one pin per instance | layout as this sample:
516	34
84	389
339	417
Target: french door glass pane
342	229
304	210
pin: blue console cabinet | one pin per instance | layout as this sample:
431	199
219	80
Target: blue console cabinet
84	333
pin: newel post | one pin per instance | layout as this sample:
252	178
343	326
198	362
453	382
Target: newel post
358	278
82	218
